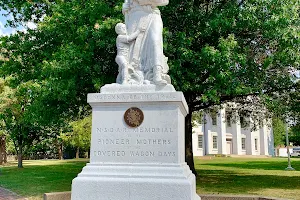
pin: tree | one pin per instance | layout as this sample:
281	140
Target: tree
14	114
218	51
279	131
295	110
18	120
223	49
80	135
295	135
286	111
63	67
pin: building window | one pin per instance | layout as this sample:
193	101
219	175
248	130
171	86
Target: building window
215	142
243	143
261	123
243	122
228	119
214	119
200	141
255	143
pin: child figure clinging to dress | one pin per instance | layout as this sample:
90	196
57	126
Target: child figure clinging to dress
123	45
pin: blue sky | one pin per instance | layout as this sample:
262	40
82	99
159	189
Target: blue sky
5	30
8	30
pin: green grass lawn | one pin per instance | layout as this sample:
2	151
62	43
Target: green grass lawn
40	176
250	176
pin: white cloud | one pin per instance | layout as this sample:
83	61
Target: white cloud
31	25
2	29
297	74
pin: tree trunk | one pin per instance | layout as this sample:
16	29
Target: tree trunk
3	158
20	158
4	149
77	153
189	158
60	152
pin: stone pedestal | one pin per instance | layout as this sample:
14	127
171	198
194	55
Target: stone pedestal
141	163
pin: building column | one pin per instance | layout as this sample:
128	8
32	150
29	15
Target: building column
249	139
207	134
221	130
271	148
263	136
203	139
270	136
236	134
249	142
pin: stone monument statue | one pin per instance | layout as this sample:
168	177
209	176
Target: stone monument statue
125	69
137	143
146	62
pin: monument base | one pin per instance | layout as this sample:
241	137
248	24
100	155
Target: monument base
135	182
142	160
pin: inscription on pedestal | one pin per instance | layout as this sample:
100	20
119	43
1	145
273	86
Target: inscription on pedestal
133	97
136	133
140	144
135	143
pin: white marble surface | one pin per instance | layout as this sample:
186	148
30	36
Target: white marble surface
155	141
140	44
143	163
131	88
135	182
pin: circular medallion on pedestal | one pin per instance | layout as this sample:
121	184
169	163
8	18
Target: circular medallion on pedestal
134	117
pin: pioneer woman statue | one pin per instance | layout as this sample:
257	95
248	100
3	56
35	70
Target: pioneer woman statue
146	51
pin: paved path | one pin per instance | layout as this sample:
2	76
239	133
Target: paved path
8	195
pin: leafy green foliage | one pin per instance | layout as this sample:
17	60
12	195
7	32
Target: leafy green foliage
295	135
66	57
80	136
218	51
51	69
221	49
197	118
24	10
10	149
279	131
14	114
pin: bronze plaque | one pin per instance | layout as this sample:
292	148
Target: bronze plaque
134	117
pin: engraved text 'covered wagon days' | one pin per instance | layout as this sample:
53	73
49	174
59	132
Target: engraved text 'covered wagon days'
135	153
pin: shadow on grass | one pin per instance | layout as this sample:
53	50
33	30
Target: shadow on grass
263	165
223	181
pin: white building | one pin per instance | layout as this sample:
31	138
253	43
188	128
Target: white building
221	135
